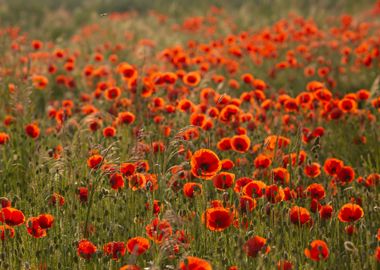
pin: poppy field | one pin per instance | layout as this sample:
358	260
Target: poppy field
209	136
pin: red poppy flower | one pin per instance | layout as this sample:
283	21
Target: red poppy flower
273	141
227	164
377	254
350	212
94	161
115	249
299	215
241	183
205	164
126	118
11	216
83	194
256	245
46	221
6	232
284	265
4	138
318	250
313	170
224	144
40	82
192	78
32	130
247	204
332	166
194	263
138	245
262	161
325	212
240	143
281	175
223	180
254	188
159	230
127	169
109	132
192	189
316	191
116	181
217	218
34	228
112	93
346	175
86	249
274	194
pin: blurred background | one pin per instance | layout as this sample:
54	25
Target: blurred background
60	18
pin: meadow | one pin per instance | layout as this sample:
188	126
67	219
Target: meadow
186	135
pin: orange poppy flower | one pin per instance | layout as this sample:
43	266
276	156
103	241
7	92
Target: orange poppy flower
127	71
240	143
40	82
192	189
137	181
114	249
4	138
350	212
318	250
192	79
138	245
256	245
194	263
205	164
299	215
223	180
217	218
86	249
11	216
130	267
